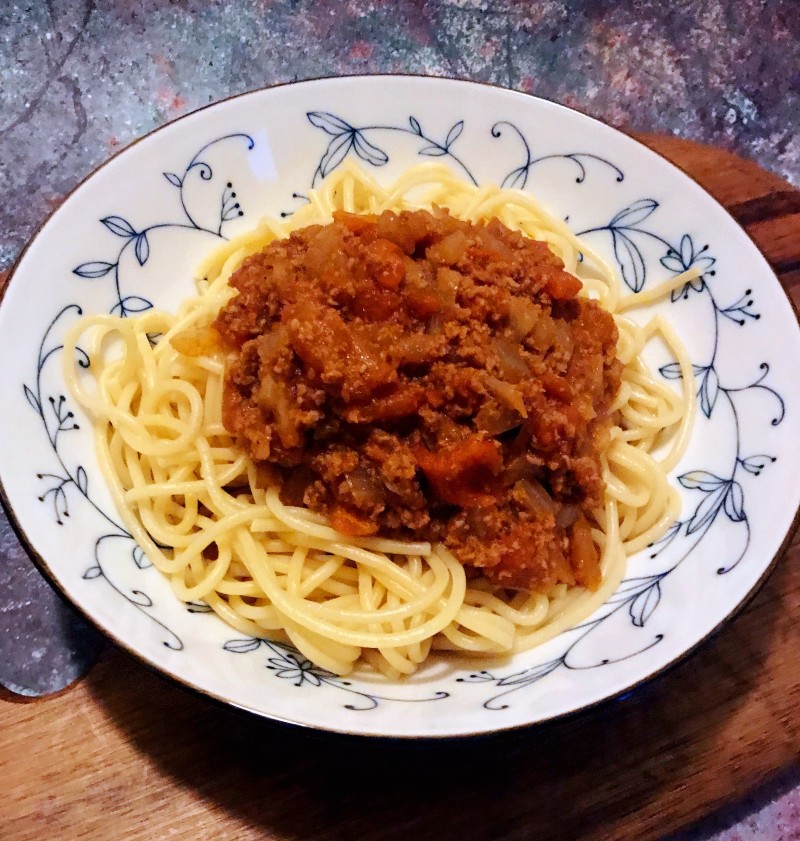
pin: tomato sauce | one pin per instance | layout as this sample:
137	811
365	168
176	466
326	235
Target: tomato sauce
418	376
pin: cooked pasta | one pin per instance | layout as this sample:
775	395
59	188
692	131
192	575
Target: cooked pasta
197	506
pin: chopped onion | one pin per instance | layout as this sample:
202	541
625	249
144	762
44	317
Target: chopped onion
543	334
506	394
520	468
492	243
567	516
274	397
509	356
495	419
531	494
447	282
522	316
448	251
366	490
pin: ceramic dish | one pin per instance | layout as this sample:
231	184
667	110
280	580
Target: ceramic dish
129	238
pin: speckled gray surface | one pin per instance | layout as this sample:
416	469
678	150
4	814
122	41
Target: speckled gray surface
79	79
44	646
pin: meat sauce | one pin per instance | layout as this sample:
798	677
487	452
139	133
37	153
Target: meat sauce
418	376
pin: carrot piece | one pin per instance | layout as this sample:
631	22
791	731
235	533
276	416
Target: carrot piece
584	556
355	222
385	260
562	285
464	474
400	402
555	386
351	524
423	302
376	304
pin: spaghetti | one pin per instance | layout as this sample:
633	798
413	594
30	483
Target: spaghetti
197	506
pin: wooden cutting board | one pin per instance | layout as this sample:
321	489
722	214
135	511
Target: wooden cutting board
124	754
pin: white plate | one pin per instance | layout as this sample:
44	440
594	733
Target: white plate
131	235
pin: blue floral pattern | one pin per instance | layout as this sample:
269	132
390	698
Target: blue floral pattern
287	663
229	209
718	497
347	138
57	420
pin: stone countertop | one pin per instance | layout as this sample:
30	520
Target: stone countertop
80	79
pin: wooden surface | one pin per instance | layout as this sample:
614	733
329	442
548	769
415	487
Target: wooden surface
124	754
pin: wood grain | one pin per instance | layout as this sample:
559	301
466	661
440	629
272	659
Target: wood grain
125	754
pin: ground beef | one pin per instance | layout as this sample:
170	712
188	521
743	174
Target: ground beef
418	376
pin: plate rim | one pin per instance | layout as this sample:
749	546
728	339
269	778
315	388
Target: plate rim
339	731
